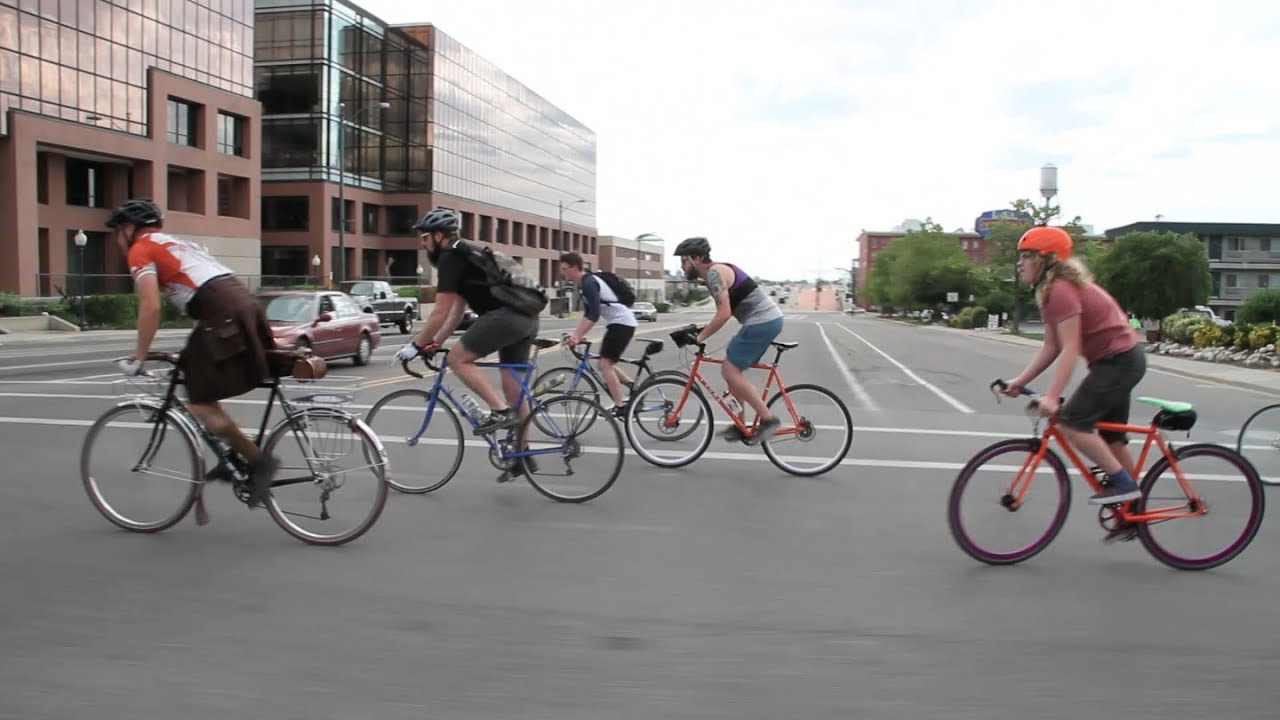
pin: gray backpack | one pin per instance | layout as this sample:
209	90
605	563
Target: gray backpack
509	282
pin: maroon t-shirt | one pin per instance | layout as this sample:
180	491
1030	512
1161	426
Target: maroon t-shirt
1104	328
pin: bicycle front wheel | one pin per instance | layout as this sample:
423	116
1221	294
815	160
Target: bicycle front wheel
140	467
997	514
326	455
582	385
667	426
582	455
423	453
1207	518
814	422
1259	443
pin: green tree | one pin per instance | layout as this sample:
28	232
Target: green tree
1155	273
1261	307
920	268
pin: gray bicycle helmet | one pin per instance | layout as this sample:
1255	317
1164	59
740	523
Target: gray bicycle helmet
694	246
139	211
442	220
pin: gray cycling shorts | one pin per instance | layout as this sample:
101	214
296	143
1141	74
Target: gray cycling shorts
503	331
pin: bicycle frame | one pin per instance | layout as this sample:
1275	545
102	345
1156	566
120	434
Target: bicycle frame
695	373
583	366
1153	437
526	395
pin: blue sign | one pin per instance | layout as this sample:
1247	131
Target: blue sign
983	224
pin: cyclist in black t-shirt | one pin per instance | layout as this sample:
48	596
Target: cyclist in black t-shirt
497	329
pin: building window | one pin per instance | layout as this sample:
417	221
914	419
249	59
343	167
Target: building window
345	210
1229	280
1264	281
186	189
400	219
1264	244
233	196
85	186
286	212
182	123
370	224
230	134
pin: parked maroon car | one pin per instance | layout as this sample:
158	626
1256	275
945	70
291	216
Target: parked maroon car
331	324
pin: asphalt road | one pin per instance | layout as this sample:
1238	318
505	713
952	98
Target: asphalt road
724	589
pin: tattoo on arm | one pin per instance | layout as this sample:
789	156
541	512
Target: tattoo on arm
715	284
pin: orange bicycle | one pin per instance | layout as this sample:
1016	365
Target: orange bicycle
1177	499
675	418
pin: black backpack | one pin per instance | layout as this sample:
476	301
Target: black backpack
620	287
509	282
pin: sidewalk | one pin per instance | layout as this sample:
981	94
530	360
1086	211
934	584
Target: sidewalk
1267	381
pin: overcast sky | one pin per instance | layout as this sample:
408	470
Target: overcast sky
788	127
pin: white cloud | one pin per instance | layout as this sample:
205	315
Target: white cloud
779	130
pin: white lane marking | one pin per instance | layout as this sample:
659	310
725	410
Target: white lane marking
925	383
99	361
854	385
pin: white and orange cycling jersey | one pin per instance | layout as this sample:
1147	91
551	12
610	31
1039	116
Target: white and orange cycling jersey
180	266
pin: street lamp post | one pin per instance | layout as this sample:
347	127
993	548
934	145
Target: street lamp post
342	185
81	240
315	268
560	231
639	239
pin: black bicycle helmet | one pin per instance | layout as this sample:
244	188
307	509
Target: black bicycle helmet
442	220
139	211
694	246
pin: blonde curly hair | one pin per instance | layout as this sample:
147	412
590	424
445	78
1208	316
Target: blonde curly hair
1073	270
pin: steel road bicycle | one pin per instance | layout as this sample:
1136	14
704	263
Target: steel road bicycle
583	379
324	436
666	401
567	441
1178	499
1262	431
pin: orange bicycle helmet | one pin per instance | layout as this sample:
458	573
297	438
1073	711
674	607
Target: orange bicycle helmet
1044	240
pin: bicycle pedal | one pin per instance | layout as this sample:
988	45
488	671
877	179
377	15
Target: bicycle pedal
1121	535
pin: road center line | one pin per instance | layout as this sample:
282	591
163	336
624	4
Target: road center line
925	383
854	385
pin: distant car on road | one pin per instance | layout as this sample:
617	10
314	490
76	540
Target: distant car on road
645	311
330	324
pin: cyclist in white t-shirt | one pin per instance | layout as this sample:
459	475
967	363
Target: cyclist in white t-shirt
599	301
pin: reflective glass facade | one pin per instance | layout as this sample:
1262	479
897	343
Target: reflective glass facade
80	58
498	142
324	67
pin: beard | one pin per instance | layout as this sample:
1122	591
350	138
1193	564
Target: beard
691	274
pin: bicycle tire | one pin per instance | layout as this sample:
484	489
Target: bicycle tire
183	431
377	459
956	523
599	414
848	424
1244	429
584	386
677	389
1251	479
441	406
683	379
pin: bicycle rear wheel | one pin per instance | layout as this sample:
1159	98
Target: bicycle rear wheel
998	482
141	469
1224	486
581	455
321	464
583	386
813	418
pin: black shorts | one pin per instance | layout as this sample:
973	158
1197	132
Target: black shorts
503	331
616	339
1104	394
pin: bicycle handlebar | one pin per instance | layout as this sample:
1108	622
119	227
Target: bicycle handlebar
584	343
426	360
685	336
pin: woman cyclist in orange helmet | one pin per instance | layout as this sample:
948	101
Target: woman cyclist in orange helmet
1082	319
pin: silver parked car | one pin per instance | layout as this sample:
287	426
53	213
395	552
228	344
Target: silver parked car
645	311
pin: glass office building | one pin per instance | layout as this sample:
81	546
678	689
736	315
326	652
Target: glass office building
101	100
455	131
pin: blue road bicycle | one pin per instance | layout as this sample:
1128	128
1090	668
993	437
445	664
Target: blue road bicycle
549	446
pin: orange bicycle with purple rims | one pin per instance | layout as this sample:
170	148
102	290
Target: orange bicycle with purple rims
1185	487
669	419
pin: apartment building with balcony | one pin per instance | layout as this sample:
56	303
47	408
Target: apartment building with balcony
1243	257
102	100
368	125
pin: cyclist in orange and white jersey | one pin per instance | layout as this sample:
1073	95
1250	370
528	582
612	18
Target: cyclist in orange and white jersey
225	355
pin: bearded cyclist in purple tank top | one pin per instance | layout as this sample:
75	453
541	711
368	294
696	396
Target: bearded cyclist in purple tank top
736	295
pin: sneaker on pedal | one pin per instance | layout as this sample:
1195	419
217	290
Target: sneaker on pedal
260	474
765	430
497	420
1113	493
619	412
732	434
